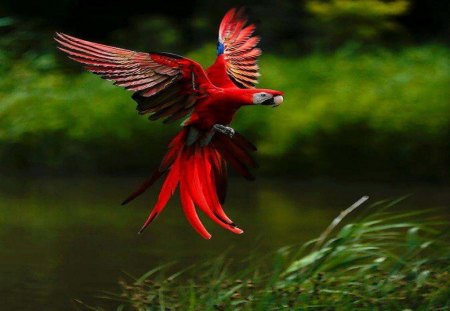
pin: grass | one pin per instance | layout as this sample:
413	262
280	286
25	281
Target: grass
382	259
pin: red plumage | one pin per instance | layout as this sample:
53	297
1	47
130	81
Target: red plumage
170	86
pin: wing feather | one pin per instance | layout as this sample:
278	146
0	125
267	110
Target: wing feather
163	83
239	45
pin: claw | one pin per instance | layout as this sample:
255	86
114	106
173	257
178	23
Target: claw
224	129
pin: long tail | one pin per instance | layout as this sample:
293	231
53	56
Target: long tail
200	172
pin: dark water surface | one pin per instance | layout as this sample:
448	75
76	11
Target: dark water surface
62	239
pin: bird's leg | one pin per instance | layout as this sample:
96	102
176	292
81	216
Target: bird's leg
207	139
192	136
226	130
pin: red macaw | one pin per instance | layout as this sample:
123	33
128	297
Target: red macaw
171	86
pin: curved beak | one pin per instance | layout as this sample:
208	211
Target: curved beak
278	100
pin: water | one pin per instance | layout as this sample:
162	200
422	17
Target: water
65	239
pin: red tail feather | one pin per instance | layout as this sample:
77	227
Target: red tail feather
168	188
191	214
200	171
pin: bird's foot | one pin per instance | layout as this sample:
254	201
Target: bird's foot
224	129
217	128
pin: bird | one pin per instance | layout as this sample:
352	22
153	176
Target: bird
172	87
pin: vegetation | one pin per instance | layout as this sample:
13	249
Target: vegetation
363	21
366	97
379	115
381	260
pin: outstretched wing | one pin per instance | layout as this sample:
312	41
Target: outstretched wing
237	52
165	85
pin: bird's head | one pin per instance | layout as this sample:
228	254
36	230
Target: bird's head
268	98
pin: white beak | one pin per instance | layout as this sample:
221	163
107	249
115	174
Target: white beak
278	100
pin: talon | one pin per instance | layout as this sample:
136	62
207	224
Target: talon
224	129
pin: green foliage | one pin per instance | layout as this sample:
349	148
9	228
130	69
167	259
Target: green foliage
381	260
380	111
362	21
381	114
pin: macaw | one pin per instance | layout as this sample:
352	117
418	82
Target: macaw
170	86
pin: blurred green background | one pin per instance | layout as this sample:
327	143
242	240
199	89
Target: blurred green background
366	85
366	112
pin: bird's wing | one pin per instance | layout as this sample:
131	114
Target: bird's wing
165	85
238	45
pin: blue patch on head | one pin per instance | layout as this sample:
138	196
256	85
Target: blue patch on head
220	48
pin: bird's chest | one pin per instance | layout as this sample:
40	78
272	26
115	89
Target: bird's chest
215	112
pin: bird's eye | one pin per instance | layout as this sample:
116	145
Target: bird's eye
263	95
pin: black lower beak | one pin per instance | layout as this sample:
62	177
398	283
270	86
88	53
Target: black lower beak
268	102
